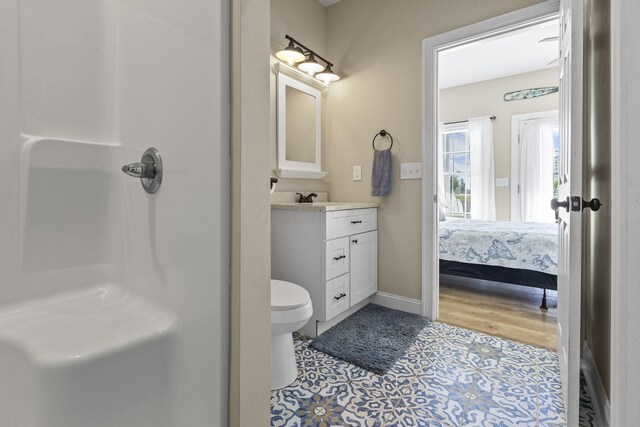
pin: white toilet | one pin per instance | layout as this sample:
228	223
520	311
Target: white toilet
291	309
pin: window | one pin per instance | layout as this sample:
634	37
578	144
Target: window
529	201
457	169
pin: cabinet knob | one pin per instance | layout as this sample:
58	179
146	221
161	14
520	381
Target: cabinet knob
356	222
338	258
339	297
355	241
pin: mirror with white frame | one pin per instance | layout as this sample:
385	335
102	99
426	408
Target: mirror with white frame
299	129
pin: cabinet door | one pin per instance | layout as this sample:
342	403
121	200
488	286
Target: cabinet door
364	266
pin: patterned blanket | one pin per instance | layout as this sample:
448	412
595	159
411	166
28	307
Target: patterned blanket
528	246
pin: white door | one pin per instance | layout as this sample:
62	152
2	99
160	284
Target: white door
364	266
570	212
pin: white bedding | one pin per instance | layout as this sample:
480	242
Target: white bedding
529	246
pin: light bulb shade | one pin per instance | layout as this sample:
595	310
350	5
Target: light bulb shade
291	54
311	66
327	75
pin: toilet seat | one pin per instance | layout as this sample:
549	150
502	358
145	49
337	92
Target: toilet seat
288	296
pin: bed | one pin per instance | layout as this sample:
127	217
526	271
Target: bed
524	254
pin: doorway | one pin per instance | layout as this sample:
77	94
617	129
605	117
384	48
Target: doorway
496	152
569	261
433	126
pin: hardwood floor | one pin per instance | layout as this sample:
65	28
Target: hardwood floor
498	309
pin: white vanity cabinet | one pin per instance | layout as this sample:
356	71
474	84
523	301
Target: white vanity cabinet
333	254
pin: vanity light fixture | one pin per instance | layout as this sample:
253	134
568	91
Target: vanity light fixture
311	66
327	75
297	53
291	54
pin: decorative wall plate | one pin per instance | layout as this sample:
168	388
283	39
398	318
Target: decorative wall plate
519	95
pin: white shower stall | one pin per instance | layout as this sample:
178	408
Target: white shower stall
113	302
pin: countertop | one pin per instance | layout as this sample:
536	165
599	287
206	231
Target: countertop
323	206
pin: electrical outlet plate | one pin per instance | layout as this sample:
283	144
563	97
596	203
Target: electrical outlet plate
357	173
411	170
502	182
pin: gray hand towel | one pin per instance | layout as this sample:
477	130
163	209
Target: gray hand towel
381	174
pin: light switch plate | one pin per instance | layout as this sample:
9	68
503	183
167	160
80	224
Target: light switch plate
502	182
411	170
357	173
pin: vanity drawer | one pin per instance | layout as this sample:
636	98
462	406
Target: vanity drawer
337	257
337	296
346	223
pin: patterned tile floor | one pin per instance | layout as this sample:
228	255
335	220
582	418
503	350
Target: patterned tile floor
449	377
587	411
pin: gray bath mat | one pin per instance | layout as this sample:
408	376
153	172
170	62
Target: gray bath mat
373	338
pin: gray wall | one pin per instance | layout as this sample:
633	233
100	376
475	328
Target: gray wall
305	21
597	183
376	45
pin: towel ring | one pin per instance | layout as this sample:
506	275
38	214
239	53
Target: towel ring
382	133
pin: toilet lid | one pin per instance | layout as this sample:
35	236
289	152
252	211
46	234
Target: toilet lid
287	295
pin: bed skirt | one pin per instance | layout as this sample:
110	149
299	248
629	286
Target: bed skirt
531	278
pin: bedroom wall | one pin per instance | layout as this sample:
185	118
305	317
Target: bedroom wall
486	99
376	46
305	21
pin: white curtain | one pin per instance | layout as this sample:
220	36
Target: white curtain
536	171
442	199
483	191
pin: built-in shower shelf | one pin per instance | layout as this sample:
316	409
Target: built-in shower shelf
101	356
83	324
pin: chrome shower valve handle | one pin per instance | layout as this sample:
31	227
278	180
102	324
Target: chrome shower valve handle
140	170
149	170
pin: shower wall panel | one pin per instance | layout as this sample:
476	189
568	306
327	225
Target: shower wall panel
87	87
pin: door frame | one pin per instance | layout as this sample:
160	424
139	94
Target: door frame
516	128
625	213
430	48
250	322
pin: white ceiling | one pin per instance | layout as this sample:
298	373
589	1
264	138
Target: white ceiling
504	55
327	3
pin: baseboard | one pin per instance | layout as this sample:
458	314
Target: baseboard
397	302
596	388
